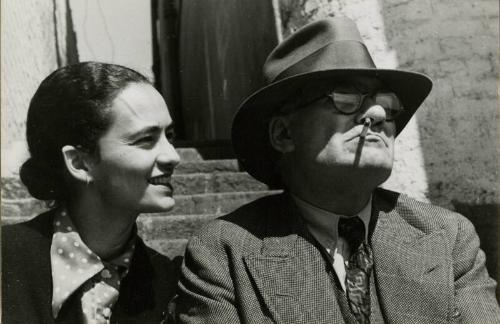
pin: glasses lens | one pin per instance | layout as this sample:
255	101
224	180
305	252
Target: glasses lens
346	103
391	104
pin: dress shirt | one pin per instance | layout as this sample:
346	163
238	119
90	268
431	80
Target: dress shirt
323	225
77	269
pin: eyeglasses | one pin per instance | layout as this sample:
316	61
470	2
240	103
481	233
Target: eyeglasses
349	102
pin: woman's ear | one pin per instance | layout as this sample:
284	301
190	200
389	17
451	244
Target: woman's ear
279	134
77	163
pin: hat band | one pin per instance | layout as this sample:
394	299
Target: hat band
339	55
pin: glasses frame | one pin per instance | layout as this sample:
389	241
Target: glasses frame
289	107
362	101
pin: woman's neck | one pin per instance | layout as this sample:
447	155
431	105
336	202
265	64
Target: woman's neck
104	230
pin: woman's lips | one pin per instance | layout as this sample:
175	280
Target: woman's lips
162	180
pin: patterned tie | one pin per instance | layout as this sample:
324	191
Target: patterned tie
358	268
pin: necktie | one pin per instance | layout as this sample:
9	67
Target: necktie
358	269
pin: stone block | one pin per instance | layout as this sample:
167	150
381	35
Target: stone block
13	188
449	10
207	166
26	208
170	248
198	183
456	47
154	227
217	203
189	154
228	182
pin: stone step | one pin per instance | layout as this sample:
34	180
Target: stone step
217	182
208	150
207	166
158	227
211	203
214	203
170	248
184	184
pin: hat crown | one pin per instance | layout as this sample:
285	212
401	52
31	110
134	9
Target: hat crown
326	44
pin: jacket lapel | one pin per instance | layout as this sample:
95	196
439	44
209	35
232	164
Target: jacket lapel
290	273
411	274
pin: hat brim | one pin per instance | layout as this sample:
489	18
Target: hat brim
250	123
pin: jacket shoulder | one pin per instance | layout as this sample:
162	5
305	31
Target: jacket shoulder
250	217
245	227
422	215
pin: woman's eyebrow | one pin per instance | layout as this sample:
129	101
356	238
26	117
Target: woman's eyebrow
144	131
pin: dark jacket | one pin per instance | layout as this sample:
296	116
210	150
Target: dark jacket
260	265
27	280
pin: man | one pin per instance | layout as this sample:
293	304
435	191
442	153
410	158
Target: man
332	248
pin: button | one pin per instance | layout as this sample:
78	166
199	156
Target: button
106	312
456	313
106	274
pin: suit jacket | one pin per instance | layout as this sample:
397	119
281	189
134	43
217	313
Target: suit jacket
260	264
27	279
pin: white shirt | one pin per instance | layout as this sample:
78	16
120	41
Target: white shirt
323	225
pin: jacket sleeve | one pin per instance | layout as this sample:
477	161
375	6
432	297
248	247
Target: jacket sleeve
474	289
206	292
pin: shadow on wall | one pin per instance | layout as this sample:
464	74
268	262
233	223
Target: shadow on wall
71	45
455	43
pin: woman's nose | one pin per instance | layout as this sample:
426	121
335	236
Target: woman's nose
167	155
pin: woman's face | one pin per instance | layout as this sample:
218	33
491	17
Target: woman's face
136	159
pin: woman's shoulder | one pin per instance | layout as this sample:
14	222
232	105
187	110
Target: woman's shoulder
30	231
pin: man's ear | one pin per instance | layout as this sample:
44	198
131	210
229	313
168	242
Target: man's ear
77	163
279	134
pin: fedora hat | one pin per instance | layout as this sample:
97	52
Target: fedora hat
323	52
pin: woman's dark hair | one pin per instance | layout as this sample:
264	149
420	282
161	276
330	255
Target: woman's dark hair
70	107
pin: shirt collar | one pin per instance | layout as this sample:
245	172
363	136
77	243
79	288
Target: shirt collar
323	224
73	263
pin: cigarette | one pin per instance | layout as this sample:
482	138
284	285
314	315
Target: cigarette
366	125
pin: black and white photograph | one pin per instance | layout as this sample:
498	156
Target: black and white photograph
250	161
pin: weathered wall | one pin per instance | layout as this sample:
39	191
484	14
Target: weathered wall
448	154
114	31
28	54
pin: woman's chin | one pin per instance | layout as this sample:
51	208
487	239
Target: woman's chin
164	204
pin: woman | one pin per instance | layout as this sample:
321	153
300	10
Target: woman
99	136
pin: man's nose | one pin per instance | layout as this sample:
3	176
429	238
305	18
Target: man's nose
373	111
167	155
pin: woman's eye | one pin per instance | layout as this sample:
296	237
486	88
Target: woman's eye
144	140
